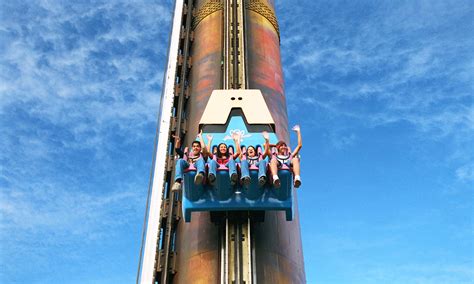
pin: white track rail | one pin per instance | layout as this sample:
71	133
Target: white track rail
161	152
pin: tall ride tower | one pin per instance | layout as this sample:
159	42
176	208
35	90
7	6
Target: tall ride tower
217	45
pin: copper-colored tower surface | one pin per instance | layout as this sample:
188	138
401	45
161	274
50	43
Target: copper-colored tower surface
264	62
278	249
197	243
279	254
206	54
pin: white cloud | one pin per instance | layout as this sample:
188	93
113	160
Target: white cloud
408	63
80	87
72	214
465	173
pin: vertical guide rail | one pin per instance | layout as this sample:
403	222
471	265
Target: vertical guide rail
235	46
163	210
237	39
226	51
247	257
243	39
253	255
237	255
234	51
242	50
158	172
224	246
166	268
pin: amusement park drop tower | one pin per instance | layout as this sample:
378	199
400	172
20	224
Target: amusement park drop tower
217	45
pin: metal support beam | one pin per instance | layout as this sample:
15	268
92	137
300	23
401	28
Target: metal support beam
163	205
157	186
237	258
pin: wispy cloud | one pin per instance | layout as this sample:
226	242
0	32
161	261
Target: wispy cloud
466	173
407	63
400	74
80	88
409	66
51	225
365	251
84	71
70	213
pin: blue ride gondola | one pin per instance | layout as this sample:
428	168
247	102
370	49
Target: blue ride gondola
246	113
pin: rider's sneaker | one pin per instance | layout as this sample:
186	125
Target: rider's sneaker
297	182
277	183
233	179
198	179
246	181
211	178
176	186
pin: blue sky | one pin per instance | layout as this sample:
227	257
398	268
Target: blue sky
385	89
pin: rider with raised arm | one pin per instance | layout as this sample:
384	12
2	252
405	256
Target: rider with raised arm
194	157
223	157
252	158
283	156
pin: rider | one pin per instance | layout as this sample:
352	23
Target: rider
223	157
195	157
252	158
290	159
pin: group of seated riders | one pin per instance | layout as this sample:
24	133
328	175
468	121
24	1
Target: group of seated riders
199	154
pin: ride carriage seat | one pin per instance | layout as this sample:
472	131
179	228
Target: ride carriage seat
223	115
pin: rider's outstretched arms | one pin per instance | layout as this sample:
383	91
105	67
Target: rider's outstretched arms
266	151
238	151
297	129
